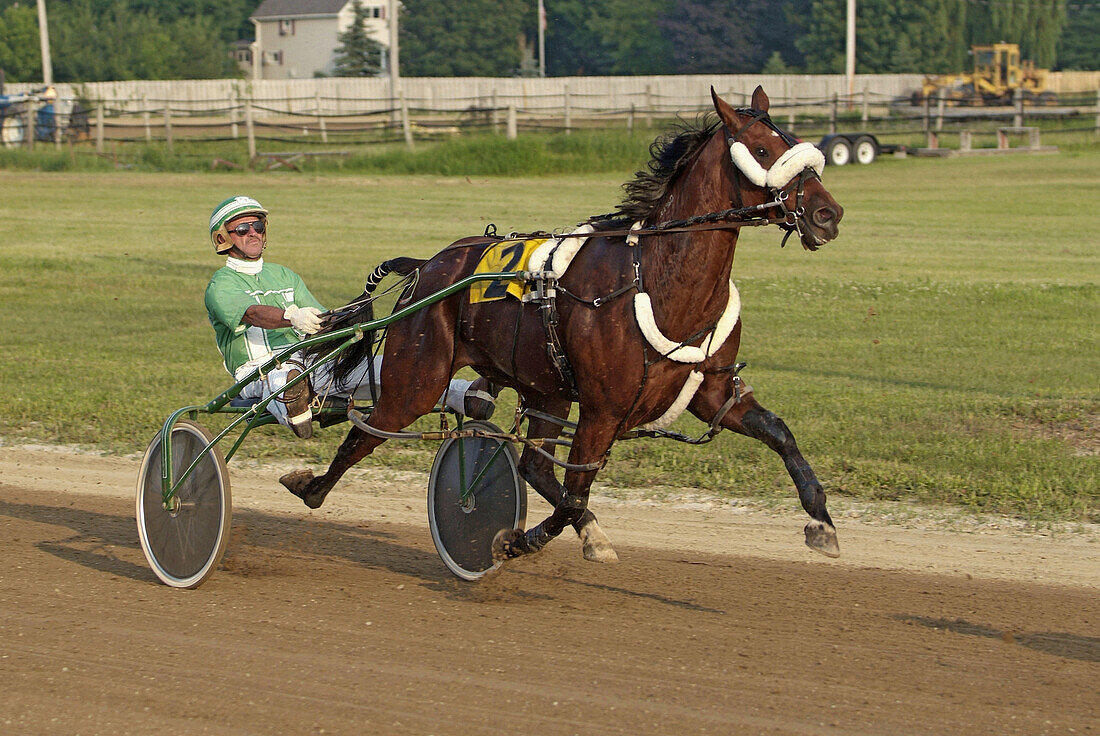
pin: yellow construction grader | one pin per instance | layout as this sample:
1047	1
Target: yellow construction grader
998	73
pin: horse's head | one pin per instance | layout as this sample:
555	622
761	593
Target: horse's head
771	165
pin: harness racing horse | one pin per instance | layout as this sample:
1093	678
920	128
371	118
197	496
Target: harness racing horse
627	362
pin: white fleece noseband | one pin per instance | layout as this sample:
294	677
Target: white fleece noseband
802	156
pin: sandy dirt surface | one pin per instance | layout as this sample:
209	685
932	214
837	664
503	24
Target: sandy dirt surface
716	620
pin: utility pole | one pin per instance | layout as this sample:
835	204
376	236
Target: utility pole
395	55
542	40
44	38
850	60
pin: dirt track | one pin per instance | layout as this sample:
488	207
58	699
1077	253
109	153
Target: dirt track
717	620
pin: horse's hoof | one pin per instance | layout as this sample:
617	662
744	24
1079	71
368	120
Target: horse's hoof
508	544
595	544
821	537
297	482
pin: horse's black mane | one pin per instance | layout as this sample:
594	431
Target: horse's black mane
669	155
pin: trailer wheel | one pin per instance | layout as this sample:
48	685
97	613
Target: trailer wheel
838	152
865	149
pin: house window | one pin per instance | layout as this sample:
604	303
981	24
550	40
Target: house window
377	13
273	58
286	28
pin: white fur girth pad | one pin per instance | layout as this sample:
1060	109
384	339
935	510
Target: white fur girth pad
802	156
643	312
687	393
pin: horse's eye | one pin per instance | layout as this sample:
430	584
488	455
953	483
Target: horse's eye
761	152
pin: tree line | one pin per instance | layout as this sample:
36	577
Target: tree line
96	40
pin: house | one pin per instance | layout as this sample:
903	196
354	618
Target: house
241	53
297	39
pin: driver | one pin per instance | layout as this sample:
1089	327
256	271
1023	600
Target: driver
258	308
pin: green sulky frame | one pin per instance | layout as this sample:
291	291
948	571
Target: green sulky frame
256	414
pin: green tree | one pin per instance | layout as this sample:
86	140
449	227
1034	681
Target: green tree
20	57
709	37
933	41
441	38
358	55
1034	24
776	65
572	47
85	40
629	32
608	37
1080	44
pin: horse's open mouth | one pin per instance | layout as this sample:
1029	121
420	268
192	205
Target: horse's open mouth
814	237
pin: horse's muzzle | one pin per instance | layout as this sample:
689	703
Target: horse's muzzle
821	226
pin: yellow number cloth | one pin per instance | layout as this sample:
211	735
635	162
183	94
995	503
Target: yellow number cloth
507	255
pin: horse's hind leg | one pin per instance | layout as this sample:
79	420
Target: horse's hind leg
749	418
395	410
538	470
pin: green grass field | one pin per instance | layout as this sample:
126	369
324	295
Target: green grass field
946	349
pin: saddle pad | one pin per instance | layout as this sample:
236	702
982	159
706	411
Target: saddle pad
507	255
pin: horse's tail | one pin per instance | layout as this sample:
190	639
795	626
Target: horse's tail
358	311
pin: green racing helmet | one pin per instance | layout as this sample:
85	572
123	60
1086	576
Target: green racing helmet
229	209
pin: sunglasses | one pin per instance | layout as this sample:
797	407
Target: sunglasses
242	229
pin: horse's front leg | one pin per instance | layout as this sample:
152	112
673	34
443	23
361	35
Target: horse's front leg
591	443
749	418
538	470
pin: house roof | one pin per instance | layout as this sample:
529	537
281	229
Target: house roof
292	8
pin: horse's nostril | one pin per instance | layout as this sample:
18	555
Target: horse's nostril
824	216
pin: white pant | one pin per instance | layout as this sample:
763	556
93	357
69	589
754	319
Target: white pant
356	385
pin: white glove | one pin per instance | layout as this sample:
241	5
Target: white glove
303	319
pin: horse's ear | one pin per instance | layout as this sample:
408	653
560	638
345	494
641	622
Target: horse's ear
760	100
724	110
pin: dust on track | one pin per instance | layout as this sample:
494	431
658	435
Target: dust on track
717	620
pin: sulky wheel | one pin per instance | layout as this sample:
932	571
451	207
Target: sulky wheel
463	529
184	543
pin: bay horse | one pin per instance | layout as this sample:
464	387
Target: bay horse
616	375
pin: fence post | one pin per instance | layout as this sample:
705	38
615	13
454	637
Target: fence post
495	114
168	124
99	127
250	128
864	117
145	120
833	113
791	114
648	104
29	129
1097	131
320	117
941	103
406	125
1018	118
630	119
567	116
512	125
927	113
57	128
234	128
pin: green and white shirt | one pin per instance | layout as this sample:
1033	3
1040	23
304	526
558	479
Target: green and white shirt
236	287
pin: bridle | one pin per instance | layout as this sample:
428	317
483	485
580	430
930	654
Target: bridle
800	163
